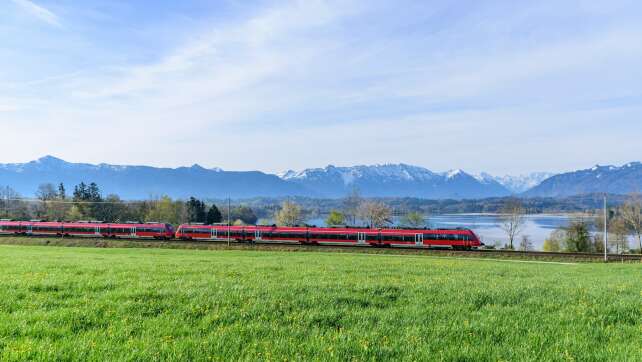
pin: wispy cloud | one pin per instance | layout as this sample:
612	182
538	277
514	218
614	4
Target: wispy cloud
39	12
339	81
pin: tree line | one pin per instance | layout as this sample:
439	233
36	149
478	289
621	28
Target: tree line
87	202
355	210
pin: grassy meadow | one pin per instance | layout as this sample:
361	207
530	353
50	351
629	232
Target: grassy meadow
154	304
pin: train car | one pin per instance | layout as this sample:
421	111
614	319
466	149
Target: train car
461	239
87	229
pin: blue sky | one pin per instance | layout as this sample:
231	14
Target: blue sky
499	86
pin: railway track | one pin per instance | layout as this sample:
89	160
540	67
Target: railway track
291	246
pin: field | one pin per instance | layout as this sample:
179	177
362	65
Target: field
151	304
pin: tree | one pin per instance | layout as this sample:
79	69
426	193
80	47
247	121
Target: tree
46	192
414	219
578	237
631	212
619	234
376	214
289	215
526	244
243	213
74	214
512	220
62	193
88	200
166	210
351	206
336	218
597	245
112	210
214	215
555	242
196	211
10	204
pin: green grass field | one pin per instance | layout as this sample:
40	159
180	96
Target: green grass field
151	304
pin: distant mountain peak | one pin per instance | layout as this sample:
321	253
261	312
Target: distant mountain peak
48	159
454	173
521	183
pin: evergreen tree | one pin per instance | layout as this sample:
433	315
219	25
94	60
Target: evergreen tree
214	215
578	237
196	210
88	200
62	193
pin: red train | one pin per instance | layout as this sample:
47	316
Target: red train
463	239
86	228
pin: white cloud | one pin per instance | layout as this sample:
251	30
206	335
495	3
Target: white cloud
39	12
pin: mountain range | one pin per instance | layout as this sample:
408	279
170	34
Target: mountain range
599	179
389	180
395	181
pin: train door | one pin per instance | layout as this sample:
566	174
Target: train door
361	238
257	235
213	234
132	232
419	239
29	229
97	230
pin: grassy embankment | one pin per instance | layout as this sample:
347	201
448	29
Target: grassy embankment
150	304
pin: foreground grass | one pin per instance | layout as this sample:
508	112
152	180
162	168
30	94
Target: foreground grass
150	304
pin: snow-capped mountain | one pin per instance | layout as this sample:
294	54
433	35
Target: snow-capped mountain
520	183
389	180
392	180
609	179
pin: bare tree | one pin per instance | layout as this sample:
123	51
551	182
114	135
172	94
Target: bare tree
631	212
512	220
555	242
289	215
620	234
46	192
351	206
376	214
526	244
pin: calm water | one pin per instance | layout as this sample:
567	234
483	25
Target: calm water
487	227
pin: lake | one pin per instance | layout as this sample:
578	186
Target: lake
487	226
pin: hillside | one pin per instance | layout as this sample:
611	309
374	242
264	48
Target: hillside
141	182
599	179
